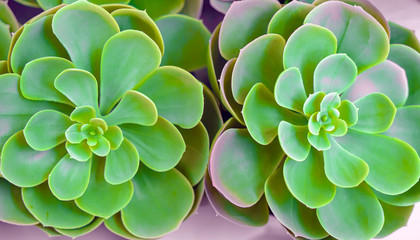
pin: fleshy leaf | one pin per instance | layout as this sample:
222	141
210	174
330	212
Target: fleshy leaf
83	114
195	38
115	225
334	73
122	55
313	103
262	115
45	129
179	97
36	41
289	91
368	6
195	159
409	60
135	108
362	211
320	142
12	209
101	198
138	20
376	113
115	137
394	166
289	211
84	42
79	151
348	112
256	215
102	147
387	78
164	199
37	81
215	62
121	164
403	36
50	211
359	35
406	126
330	101
293	140
226	95
307	181
77	232
259	61
240	166
404	199
212	117
158	8
343	168
69	178
160	146
306	47
79	86
24	166
289	18
395	218
243	22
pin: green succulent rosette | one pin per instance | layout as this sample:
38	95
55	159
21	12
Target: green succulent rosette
95	129
8	24
325	123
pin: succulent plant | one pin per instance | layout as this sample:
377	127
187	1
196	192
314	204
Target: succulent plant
325	123
94	127
155	8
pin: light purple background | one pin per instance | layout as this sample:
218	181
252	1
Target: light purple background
205	225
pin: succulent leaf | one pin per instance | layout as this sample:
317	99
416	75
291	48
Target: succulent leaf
69	178
79	86
243	23
85	53
195	38
121	164
375	151
37	80
343	168
102	198
293	140
307	181
387	78
376	113
289	91
289	211
305	48
179	98
122	55
79	151
244	185
256	215
362	212
289	18
334	73
358	34
12	209
50	211
134	107
260	102
150	140
25	167
163	198
259	61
